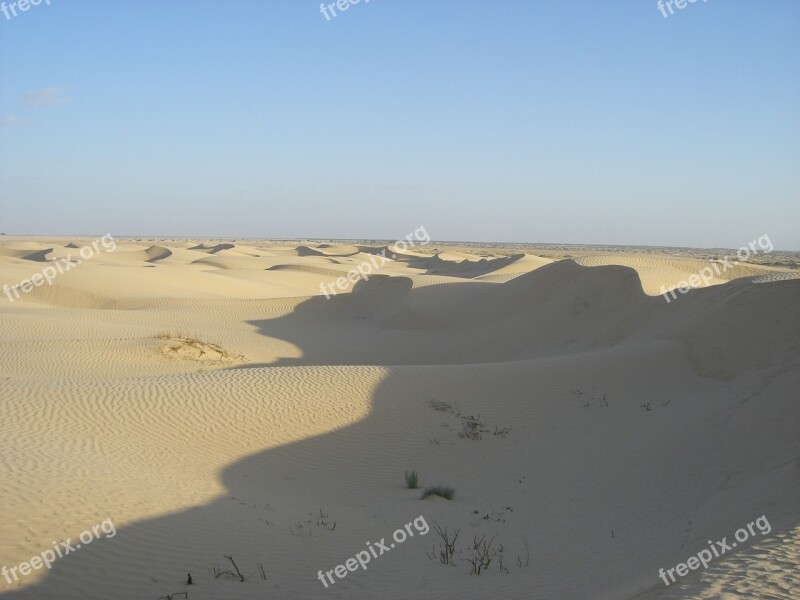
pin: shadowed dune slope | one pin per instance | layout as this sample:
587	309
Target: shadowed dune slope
560	308
595	433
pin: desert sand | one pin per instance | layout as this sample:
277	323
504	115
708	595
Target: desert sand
207	397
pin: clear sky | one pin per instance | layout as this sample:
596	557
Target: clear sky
519	120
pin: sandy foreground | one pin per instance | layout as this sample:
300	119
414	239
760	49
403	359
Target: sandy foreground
194	400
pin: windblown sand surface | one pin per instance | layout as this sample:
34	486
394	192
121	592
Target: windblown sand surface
206	397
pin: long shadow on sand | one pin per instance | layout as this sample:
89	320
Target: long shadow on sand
563	482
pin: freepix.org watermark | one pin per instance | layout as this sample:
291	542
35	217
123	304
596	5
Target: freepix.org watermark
718	267
59	550
715	550
665	5
366	268
363	557
342	5
10	9
59	267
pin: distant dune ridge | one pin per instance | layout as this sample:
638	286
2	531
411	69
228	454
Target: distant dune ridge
209	399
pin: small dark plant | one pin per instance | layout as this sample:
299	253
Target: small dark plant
447	545
483	554
238	574
472	428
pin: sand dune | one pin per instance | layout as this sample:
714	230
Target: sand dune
207	398
656	272
212	249
325	250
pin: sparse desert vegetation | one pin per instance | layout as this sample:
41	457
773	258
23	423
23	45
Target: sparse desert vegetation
184	347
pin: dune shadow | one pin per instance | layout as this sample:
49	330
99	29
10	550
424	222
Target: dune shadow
353	476
39	255
557	309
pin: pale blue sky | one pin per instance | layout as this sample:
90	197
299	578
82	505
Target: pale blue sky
558	121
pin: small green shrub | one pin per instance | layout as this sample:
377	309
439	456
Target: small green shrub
412	480
438	490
